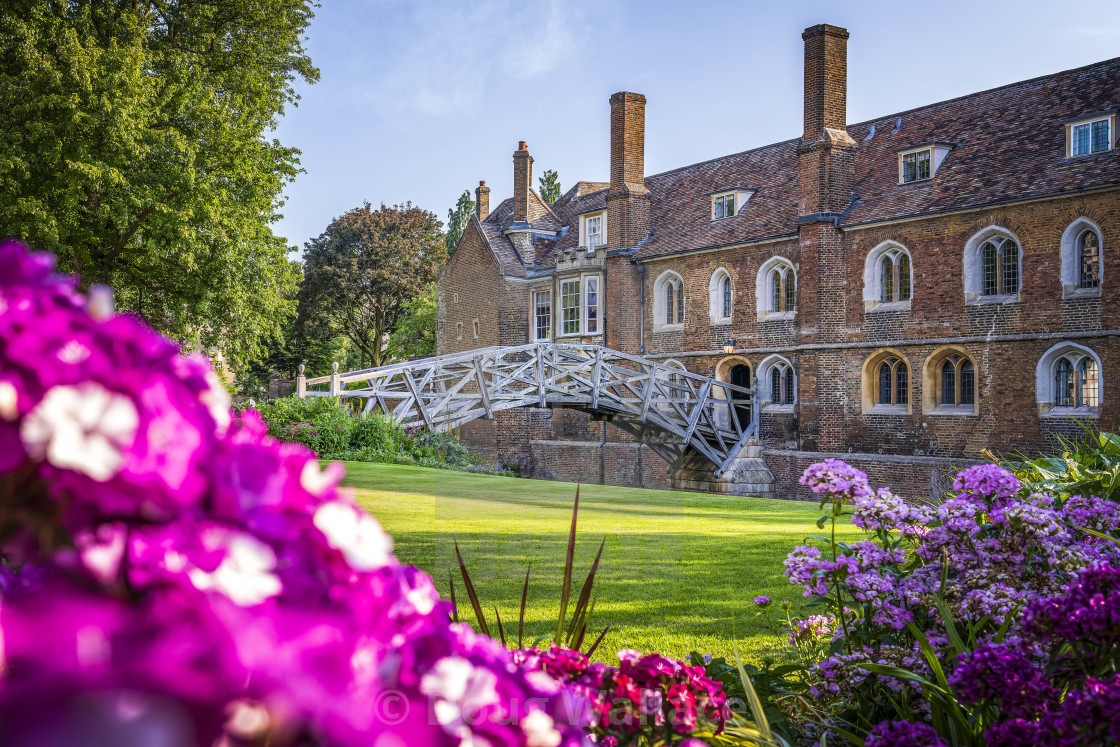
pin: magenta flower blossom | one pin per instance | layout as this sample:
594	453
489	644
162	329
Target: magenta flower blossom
169	575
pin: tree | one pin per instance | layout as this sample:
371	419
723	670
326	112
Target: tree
360	274
457	220
550	186
134	146
415	333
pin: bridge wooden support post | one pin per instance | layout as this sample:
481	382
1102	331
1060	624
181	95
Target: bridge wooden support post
480	379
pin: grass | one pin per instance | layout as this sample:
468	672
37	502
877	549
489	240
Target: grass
678	572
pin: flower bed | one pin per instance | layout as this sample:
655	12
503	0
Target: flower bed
987	619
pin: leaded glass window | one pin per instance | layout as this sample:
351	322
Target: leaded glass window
1089	245
570	306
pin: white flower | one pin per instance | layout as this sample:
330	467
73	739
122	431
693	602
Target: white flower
355	534
216	400
540	730
84	428
244	575
460	691
8	401
317	481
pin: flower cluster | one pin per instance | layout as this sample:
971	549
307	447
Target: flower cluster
836	478
987	480
643	694
171	575
1002	673
904	734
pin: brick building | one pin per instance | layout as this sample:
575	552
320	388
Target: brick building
904	291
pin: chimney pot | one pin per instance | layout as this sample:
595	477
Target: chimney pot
521	145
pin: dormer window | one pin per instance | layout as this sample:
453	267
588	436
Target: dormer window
916	165
593	230
921	163
1092	135
723	206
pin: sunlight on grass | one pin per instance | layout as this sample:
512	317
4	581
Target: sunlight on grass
677	575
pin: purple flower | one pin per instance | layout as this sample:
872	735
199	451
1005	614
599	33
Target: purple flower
988	481
904	734
762	602
1002	673
836	478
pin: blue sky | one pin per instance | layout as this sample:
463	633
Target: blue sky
419	99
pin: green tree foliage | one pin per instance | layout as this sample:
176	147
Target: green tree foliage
360	274
133	145
550	186
457	220
415	333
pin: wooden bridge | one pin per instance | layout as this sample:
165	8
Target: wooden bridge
673	411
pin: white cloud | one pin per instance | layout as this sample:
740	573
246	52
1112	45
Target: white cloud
437	57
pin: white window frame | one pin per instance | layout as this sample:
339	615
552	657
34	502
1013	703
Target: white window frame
583	281
974	267
584	236
533	314
914	152
588	281
720	199
1071	259
873	280
715	297
764	291
1110	123
1045	374
658	306
564	307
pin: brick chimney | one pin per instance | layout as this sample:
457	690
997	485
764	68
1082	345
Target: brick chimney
826	163
826	79
628	198
482	201
522	182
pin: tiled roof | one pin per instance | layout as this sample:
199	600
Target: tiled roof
1008	144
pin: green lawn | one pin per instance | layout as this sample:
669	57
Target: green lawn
677	575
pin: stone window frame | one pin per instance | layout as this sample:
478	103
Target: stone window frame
458	330
873	277
660	305
476	327
932	381
535	318
718	300
1045	383
1071	250
764	379
870	384
973	267
672	378
764	290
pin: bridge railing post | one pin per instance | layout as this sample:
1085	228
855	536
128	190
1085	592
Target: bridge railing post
301	383
336	380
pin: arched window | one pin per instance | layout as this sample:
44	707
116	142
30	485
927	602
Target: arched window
893	382
720	296
1089	245
992	266
949	383
887	275
1082	253
777	382
1069	376
668	300
776	289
